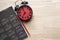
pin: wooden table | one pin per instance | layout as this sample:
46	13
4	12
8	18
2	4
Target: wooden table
45	23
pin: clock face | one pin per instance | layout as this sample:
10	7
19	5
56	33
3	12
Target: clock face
24	12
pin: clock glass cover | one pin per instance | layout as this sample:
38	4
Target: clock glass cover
24	12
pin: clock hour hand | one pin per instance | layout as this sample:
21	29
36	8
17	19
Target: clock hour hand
24	12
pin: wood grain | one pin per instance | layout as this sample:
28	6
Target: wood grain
45	23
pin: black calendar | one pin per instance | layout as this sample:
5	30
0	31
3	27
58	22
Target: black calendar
10	26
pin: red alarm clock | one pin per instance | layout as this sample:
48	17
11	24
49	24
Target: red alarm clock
24	12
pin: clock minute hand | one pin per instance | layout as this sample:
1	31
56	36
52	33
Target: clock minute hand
24	12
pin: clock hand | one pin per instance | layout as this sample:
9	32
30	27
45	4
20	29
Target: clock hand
24	12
